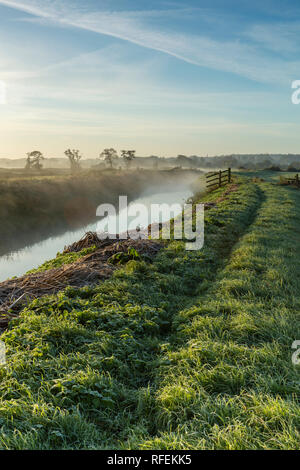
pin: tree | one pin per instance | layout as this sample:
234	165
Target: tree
74	159
128	156
183	161
230	161
109	156
34	160
294	166
263	164
155	162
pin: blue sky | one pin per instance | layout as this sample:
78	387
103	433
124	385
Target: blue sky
164	77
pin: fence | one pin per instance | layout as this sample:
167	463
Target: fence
218	178
293	181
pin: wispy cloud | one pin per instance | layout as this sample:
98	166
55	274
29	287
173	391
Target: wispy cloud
242	58
278	37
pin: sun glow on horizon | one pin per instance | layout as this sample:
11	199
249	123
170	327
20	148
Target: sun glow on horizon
138	74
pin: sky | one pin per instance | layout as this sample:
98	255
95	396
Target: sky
162	77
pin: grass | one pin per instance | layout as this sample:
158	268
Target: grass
63	259
231	371
192	351
268	175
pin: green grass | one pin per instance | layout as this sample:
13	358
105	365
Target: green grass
232	384
62	259
268	175
192	351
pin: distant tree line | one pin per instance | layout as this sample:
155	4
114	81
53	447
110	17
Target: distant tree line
247	162
109	156
127	158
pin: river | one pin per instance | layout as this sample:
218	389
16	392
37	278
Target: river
19	262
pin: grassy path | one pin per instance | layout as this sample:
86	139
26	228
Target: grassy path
193	351
231	383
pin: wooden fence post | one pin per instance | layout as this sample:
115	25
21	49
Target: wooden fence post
229	175
220	178
297	179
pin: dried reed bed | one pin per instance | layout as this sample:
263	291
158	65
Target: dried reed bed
88	270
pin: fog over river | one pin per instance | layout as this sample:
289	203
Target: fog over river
19	262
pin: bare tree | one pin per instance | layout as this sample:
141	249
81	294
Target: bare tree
74	159
34	160
110	156
128	156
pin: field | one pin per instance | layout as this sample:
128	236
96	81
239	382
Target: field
191	351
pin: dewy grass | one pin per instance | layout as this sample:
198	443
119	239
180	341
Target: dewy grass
192	351
63	259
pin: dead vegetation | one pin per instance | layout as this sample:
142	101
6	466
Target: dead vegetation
88	270
232	188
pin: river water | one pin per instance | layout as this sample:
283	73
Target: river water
19	262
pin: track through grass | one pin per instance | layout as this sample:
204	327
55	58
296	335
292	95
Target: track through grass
231	383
